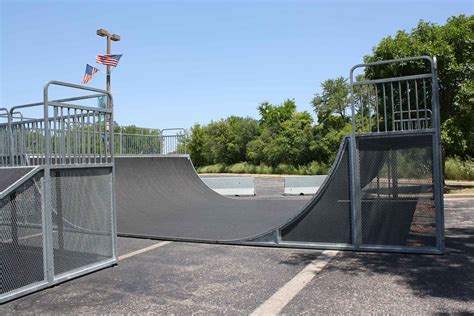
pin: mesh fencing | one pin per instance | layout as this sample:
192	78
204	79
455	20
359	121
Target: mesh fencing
328	218
82	227
21	237
397	190
82	221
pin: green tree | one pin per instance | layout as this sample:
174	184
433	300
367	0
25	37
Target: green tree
223	141
272	116
285	135
332	107
241	132
196	145
452	44
334	99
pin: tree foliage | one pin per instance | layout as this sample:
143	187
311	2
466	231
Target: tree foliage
223	141
453	45
333	100
283	136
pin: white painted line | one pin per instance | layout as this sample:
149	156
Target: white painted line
287	292
140	251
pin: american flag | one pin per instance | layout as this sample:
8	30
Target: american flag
90	72
109	60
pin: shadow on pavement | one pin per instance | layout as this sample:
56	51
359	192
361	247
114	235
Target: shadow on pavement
444	276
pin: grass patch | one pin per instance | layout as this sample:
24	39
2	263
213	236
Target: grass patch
241	167
313	168
217	168
457	169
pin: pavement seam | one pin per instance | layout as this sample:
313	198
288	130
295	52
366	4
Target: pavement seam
287	292
143	250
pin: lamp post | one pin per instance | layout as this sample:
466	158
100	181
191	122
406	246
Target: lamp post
115	38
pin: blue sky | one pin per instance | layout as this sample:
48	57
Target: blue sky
196	61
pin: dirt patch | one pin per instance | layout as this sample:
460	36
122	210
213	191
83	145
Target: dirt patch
459	187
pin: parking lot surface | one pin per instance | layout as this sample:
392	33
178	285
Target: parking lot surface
192	278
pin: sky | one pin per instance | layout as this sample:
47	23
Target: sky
187	62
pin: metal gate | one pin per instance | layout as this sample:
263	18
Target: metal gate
57	214
396	158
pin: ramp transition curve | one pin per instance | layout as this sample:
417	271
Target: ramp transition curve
164	198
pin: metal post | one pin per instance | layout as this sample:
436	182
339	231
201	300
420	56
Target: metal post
437	161
108	71
354	176
112	182
110	37
11	147
47	211
120	141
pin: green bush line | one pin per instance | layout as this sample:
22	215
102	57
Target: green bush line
455	169
313	168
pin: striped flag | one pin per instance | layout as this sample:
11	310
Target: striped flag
109	60
90	72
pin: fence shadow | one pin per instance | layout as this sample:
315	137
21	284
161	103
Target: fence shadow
444	276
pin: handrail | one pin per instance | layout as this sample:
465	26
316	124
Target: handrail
59	138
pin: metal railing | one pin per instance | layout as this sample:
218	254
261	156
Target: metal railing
393	104
67	134
157	143
78	136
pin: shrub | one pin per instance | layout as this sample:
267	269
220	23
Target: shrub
263	169
241	167
314	168
457	169
216	168
286	169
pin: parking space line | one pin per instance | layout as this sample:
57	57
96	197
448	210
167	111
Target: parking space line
140	251
287	292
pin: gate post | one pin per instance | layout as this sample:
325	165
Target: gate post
437	161
47	210
11	147
356	222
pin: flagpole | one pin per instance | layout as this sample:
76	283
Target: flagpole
108	69
115	38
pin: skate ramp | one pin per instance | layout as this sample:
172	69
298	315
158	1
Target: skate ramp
9	176
163	197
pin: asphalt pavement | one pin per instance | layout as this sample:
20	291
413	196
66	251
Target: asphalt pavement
192	278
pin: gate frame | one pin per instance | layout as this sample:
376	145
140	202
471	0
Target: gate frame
437	173
49	277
